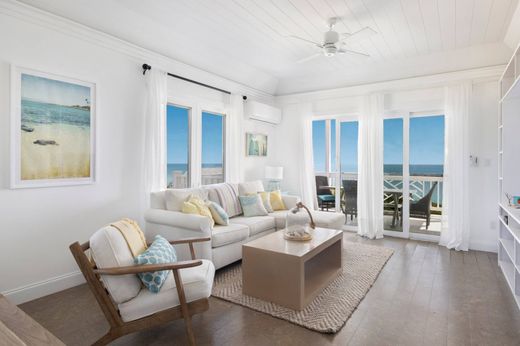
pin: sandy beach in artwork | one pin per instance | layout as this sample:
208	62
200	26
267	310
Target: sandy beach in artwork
69	157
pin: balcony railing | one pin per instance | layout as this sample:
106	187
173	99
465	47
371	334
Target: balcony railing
419	186
209	176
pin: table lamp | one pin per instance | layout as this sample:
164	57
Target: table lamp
274	176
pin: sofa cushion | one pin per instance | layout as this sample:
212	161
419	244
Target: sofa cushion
197	283
233	233
109	249
250	187
328	220
256	224
279	218
176	197
226	195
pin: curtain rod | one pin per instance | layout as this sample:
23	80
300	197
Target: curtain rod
147	67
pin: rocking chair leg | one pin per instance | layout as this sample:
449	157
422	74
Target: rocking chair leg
105	339
184	308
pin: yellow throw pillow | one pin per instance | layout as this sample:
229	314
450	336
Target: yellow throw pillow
266	200
195	205
276	200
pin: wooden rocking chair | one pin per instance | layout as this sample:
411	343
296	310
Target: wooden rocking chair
119	327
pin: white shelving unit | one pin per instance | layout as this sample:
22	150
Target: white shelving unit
509	174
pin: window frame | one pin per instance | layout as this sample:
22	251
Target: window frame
190	116
221	113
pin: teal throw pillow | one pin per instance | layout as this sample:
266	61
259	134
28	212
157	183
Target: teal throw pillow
252	205
218	213
161	251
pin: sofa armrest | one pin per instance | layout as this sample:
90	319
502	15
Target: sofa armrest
177	219
290	201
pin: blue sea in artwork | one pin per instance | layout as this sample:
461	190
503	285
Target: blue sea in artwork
34	112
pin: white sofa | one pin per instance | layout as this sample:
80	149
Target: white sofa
226	242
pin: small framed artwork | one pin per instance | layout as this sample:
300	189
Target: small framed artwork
53	130
256	144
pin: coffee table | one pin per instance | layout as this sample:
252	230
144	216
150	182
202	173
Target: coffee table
291	273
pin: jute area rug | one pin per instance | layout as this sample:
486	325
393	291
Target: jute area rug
331	309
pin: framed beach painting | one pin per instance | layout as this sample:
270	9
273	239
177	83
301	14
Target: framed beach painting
256	144
52	130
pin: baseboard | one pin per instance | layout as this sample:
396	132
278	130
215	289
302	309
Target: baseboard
43	288
484	246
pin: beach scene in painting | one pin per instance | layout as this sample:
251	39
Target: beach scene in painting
55	129
256	144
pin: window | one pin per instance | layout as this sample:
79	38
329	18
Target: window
177	147
318	145
212	148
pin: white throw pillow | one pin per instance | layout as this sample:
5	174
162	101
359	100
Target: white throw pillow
176	197
250	187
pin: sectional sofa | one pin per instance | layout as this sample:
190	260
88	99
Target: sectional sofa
164	217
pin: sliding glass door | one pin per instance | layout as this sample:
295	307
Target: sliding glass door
335	146
413	172
426	174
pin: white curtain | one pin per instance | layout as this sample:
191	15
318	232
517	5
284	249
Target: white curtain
370	162
455	215
235	139
154	159
305	161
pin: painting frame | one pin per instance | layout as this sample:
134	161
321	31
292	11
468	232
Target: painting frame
16	180
261	151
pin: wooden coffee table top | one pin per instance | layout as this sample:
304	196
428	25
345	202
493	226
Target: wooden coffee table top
275	242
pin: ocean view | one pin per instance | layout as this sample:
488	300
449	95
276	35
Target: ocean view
34	112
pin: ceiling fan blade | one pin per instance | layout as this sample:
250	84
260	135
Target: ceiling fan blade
314	56
305	40
359	35
352	53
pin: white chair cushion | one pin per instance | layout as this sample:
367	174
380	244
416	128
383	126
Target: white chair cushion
176	197
279	218
256	224
197	283
109	249
232	233
250	187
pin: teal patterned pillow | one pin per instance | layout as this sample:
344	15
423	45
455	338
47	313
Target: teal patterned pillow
219	214
252	205
161	251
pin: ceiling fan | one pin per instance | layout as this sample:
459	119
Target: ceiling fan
334	42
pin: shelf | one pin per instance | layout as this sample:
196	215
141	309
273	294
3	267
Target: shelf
512	212
509	245
509	272
515	232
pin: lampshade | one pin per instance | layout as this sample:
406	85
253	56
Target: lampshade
273	173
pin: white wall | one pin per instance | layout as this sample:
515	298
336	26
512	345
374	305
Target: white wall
38	225
483	143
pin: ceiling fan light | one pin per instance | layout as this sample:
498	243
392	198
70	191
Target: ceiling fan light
329	51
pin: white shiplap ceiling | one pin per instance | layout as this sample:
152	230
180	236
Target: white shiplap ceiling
246	40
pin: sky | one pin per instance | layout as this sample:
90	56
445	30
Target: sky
426	142
53	91
177	120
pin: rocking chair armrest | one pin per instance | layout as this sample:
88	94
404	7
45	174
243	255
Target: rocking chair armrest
143	268
185	241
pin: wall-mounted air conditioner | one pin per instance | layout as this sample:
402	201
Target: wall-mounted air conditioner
254	110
